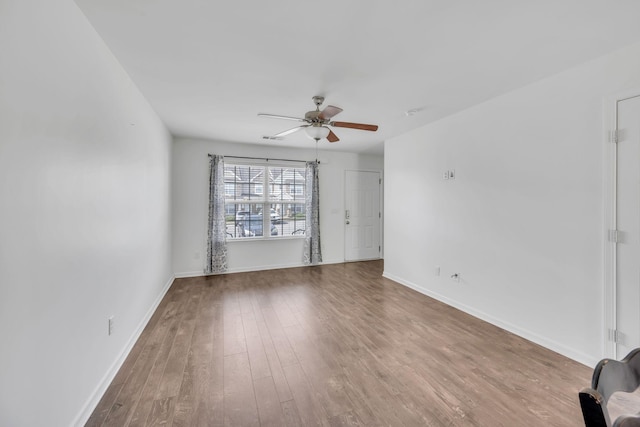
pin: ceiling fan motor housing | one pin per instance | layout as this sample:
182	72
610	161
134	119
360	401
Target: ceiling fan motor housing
312	116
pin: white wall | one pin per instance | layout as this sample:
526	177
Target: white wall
522	221
190	189
84	217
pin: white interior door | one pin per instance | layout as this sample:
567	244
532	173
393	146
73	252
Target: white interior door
628	225
362	215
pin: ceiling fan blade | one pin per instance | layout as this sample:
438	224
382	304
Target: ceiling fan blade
360	126
329	112
332	137
290	131
275	116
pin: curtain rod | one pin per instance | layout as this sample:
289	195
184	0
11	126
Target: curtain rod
266	159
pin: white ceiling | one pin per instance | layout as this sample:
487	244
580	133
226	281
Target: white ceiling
209	67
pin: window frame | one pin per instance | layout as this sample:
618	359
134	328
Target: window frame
270	197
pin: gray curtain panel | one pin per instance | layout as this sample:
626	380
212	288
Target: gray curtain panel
312	253
216	261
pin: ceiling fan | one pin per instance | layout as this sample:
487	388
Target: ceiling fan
316	122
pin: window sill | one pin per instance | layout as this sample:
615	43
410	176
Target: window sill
262	239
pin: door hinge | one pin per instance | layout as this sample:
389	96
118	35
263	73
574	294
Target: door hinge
613	136
615	336
613	236
378	248
379	214
379	180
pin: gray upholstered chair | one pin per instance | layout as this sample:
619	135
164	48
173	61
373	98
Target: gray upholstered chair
609	377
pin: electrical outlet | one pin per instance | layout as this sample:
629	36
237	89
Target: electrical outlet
445	175
111	325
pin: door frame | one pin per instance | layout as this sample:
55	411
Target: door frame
380	207
610	202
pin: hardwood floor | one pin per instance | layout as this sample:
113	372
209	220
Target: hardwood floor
332	345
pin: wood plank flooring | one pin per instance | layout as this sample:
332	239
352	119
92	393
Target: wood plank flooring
334	345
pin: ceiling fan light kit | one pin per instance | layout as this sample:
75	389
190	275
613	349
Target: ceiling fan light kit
317	132
317	122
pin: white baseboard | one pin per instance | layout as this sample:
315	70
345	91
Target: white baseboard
237	270
199	273
186	274
97	394
526	334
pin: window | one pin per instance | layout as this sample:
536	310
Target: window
228	190
281	211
